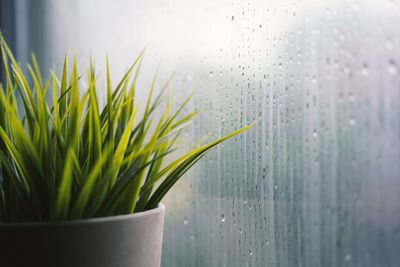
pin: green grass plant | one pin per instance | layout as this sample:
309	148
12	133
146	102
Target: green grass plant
67	159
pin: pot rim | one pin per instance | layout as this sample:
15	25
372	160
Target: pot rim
160	208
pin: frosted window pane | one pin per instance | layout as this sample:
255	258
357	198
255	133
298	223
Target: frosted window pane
317	181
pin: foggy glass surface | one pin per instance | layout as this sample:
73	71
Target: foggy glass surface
317	181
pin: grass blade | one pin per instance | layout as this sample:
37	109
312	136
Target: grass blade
64	191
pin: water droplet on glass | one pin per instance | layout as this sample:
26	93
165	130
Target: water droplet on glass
351	97
314	79
222	218
365	70
340	97
211	73
185	221
392	67
347	257
250	252
315	134
352	121
233	18
389	45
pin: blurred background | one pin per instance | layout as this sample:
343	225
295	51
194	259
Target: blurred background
317	181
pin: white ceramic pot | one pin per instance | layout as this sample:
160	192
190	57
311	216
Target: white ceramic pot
118	241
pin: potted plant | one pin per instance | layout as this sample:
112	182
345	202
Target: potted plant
81	186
